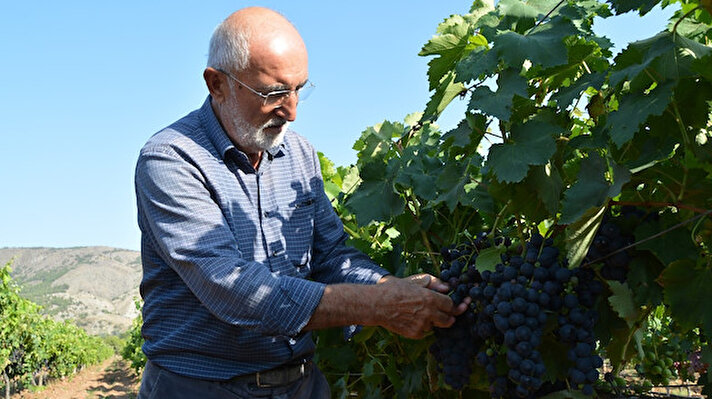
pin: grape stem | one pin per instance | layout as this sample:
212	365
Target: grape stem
415	212
499	215
654	204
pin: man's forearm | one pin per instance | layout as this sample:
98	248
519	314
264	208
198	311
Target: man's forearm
409	307
343	305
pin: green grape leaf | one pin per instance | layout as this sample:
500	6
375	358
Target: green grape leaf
530	144
459	136
634	109
376	197
499	103
651	150
686	60
477	196
517	9
699	55
451	184
444	94
543	46
671	246
465	138
377	141
546	182
638	56
332	190
590	190
477	65
609	325
340	358
686	287
566	95
481	7
412	381
368	368
644	269
642	6
525	14
417	172
520	195
328	172
621	176
621	301
554	357
350	178
579	235
488	258
694	96
393	374
449	45
623	344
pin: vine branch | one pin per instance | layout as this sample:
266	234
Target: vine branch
654	236
687	14
550	12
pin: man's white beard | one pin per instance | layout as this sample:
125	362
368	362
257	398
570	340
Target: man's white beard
254	138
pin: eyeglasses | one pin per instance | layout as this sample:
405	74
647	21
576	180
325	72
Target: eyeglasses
277	97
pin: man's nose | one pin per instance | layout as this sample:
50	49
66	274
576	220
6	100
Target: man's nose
288	109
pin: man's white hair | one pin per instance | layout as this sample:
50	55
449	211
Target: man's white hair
229	48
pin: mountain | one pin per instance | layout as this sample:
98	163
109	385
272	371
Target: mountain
94	286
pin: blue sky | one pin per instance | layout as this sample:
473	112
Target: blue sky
83	84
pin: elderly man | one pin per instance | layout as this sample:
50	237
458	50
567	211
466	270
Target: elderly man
242	253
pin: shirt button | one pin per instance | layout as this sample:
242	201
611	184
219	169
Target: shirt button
292	341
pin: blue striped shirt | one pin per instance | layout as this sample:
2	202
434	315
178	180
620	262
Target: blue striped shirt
235	260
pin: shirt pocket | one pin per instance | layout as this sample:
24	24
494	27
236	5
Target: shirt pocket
298	230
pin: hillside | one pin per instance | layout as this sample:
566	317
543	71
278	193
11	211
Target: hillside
94	286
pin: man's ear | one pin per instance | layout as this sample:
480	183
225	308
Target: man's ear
217	84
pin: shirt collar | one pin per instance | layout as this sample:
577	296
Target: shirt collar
216	134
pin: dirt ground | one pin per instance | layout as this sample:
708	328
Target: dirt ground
112	379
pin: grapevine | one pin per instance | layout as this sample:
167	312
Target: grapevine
597	167
33	345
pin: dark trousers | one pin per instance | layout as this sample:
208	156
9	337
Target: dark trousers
159	383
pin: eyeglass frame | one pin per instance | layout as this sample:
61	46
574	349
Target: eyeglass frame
280	95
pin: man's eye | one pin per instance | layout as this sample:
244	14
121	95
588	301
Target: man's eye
278	94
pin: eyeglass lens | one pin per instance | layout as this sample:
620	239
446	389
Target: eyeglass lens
278	98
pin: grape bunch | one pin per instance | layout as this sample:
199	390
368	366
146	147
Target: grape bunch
608	247
513	304
611	245
657	367
576	322
454	349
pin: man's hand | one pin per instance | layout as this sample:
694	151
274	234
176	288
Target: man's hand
412	306
409	306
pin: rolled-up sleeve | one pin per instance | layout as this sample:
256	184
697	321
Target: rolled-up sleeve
179	213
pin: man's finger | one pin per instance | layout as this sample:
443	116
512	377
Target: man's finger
421	279
438	285
462	308
443	320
